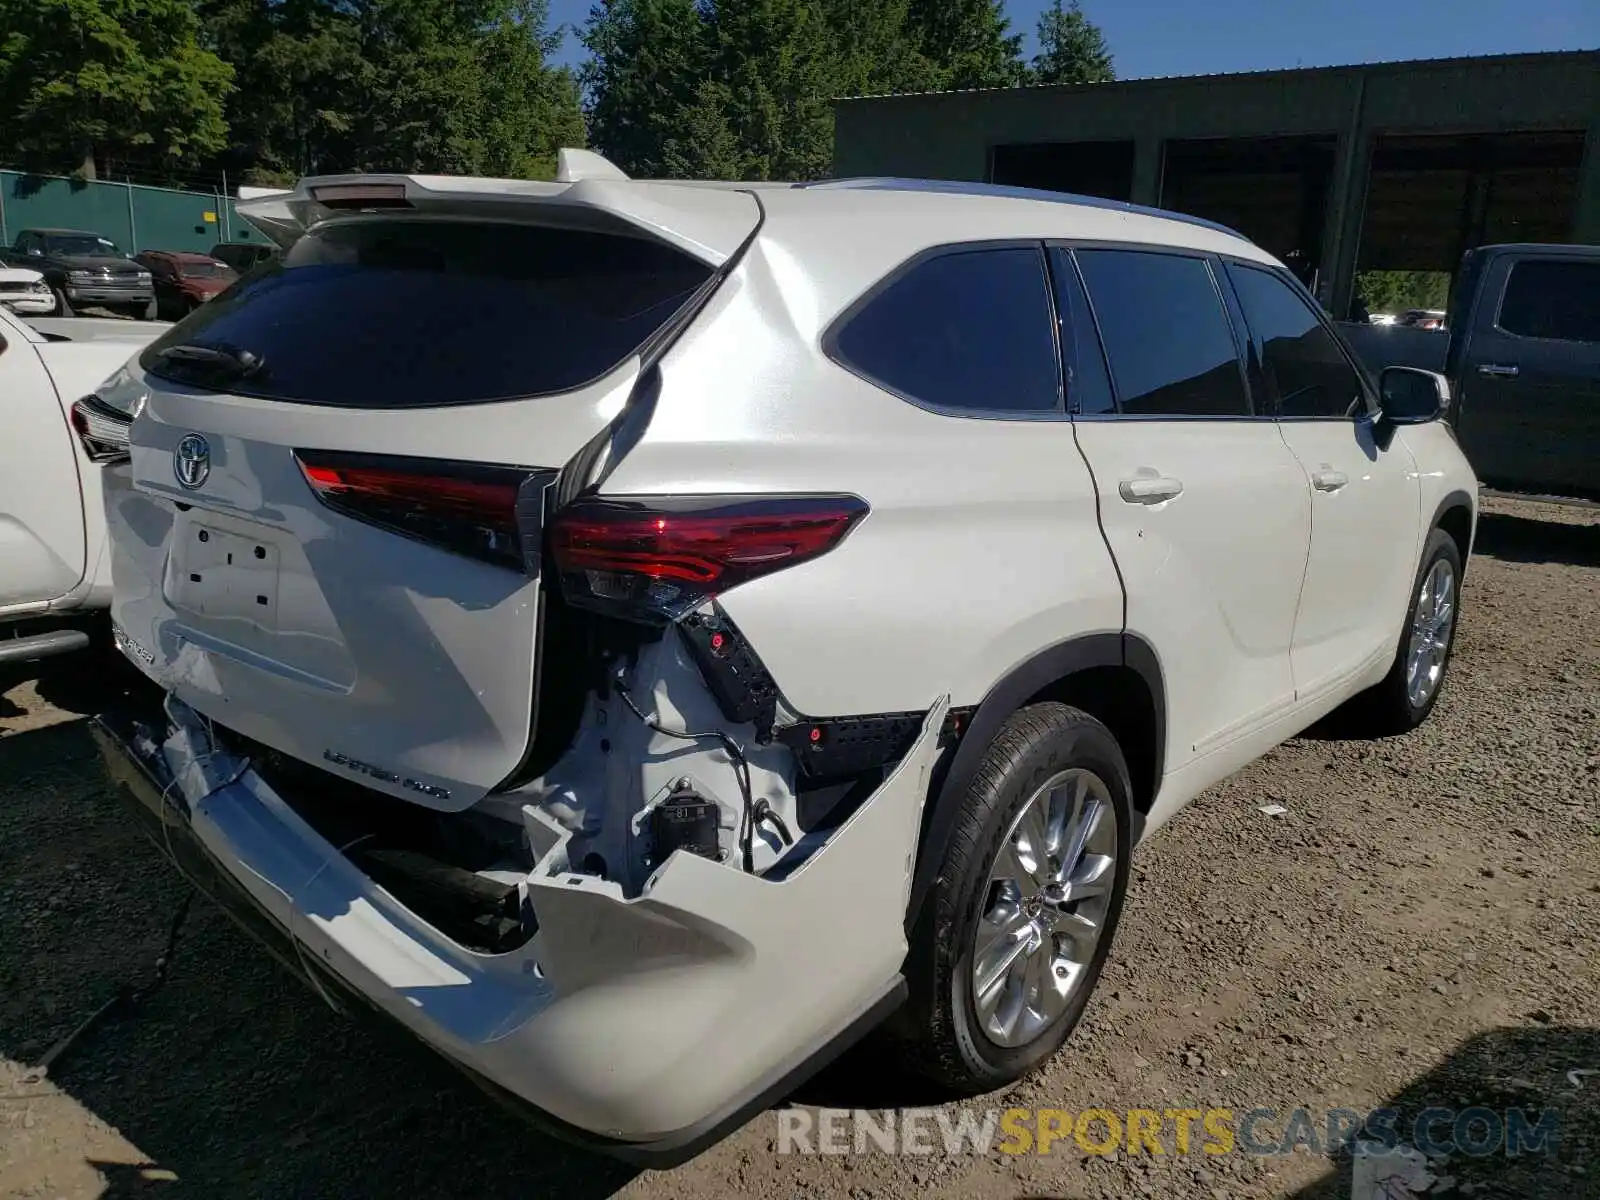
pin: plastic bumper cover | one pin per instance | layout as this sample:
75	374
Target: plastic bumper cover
646	1027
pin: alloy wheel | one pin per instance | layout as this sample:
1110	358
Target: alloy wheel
1045	907
1431	624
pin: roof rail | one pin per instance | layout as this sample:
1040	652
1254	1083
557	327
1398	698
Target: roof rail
573	164
962	187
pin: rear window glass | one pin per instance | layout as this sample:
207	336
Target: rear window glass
1559	300
407	314
967	330
205	270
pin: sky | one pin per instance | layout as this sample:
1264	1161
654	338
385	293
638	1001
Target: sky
1202	37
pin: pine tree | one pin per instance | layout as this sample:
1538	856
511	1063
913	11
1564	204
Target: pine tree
968	42
1071	48
649	60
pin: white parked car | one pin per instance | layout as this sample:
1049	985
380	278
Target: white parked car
763	611
53	568
25	292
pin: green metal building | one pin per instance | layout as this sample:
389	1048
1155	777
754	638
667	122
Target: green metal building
1386	166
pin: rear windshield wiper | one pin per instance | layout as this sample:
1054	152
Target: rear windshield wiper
215	362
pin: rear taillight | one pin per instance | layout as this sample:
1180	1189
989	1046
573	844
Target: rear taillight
102	429
656	558
485	512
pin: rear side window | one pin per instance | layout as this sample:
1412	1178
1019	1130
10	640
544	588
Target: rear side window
406	314
966	330
1166	334
1553	300
1304	365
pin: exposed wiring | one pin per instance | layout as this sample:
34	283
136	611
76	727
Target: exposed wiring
769	815
126	999
741	772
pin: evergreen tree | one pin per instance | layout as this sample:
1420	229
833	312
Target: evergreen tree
1071	48
83	80
968	42
650	62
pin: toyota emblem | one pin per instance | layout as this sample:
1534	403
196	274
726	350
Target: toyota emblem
191	461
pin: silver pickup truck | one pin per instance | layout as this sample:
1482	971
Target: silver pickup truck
1522	352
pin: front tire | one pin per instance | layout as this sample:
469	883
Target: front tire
1020	920
63	305
1411	688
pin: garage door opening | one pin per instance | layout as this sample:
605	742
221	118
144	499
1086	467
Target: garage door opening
1432	198
1103	169
1273	190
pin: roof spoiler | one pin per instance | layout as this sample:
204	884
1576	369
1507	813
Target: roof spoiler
588	192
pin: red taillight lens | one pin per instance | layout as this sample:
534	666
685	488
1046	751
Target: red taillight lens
484	512
102	430
658	558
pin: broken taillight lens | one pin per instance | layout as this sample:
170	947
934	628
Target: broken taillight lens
490	513
656	558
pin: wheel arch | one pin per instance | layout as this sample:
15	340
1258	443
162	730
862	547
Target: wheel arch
1115	677
1456	514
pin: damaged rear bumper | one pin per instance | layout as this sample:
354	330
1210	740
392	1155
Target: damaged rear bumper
645	1027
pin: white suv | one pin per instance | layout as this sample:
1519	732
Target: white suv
639	636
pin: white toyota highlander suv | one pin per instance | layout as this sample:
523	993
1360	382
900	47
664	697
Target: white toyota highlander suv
640	636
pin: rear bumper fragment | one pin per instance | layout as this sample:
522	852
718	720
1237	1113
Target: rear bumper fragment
646	1028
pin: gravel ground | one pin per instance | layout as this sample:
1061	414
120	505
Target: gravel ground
1419	928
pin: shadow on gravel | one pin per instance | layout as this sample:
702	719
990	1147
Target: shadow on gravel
869	1075
81	683
233	1077
1526	1070
1516	538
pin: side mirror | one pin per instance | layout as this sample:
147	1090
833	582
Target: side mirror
35	252
1412	396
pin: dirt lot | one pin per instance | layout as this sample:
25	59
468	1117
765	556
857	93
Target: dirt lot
1421	927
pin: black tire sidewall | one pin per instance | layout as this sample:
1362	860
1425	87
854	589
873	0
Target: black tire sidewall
1082	743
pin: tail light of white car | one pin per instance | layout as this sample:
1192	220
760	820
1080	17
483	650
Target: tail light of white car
102	429
656	558
489	513
648	559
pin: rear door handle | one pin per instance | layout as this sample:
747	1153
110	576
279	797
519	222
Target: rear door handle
1149	489
1503	370
1329	481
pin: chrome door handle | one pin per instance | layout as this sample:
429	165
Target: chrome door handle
1502	370
1149	489
1329	481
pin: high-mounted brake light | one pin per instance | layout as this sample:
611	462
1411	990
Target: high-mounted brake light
102	430
656	558
484	512
361	195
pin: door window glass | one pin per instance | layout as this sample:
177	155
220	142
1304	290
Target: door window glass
1166	334
1301	358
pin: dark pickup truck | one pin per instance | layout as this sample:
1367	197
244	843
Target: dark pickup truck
1522	353
84	270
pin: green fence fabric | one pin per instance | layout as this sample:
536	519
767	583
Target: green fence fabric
133	216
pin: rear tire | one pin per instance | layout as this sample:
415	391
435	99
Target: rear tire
1407	694
1052	791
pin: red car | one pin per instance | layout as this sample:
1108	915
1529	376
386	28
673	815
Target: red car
184	280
